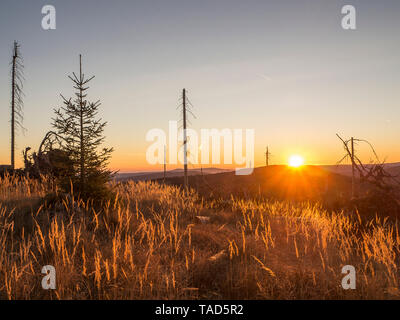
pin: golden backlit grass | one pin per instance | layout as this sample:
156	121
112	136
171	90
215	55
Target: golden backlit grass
148	244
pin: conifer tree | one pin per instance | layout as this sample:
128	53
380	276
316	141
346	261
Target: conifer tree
76	122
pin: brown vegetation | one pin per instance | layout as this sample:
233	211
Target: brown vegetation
147	244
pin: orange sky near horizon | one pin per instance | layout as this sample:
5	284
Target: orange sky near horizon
137	161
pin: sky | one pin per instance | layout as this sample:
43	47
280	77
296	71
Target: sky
286	69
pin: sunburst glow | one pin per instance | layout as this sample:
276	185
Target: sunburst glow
296	161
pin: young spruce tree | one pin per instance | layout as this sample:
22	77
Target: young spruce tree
82	136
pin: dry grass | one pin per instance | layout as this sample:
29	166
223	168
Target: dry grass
146	244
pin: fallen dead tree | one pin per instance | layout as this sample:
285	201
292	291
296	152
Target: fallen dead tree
380	189
50	159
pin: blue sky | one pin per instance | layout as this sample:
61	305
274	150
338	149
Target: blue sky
285	68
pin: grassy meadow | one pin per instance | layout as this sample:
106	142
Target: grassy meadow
147	243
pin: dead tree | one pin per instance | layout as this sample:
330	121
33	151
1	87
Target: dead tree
165	162
48	159
16	97
185	109
373	173
267	156
353	178
185	163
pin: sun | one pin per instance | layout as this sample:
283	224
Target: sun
296	161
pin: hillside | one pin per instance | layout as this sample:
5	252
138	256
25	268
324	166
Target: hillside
280	182
308	183
392	168
153	241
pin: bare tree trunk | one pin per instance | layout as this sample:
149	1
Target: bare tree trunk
185	163
165	162
15	55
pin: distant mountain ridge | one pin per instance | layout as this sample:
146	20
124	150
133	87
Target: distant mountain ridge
346	170
155	175
342	169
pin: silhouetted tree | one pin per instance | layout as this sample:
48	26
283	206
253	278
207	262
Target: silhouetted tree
49	159
82	136
16	97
